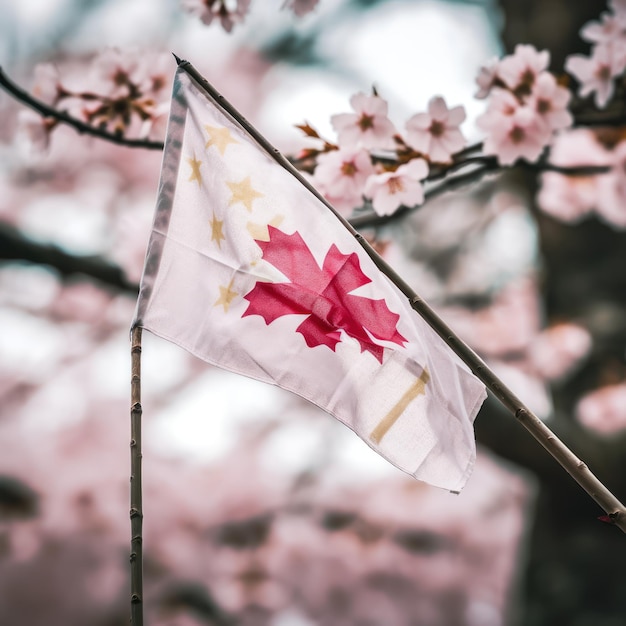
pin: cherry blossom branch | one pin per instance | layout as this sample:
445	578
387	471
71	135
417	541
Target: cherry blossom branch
15	246
370	218
47	111
484	165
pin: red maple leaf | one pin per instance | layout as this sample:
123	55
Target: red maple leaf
323	294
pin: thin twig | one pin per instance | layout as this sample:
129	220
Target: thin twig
50	112
615	510
136	505
371	219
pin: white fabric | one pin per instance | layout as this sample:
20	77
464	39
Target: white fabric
189	268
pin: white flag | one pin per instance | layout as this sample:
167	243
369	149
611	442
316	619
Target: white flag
249	271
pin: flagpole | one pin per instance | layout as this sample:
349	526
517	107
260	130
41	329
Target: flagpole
136	507
615	510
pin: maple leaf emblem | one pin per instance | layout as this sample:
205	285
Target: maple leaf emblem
323	294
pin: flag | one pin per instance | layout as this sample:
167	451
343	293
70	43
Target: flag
250	271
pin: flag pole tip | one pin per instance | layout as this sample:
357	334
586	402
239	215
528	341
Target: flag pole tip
178	59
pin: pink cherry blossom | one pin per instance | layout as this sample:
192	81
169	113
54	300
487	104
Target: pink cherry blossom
341	175
520	69
208	10
487	78
35	130
596	73
156	73
114	71
611	200
391	190
513	131
47	83
604	410
608	30
618	7
368	127
300	7
436	134
550	101
570	198
557	350
47	88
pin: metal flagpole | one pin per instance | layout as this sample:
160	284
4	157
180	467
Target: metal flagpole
615	510
136	507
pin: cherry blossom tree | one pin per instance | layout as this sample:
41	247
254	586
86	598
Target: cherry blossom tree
512	228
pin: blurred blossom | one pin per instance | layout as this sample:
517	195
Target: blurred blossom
611	201
156	74
335	553
114	73
550	101
570	198
131	232
390	190
520	69
300	7
228	12
596	73
46	85
557	350
291	617
436	134
155	127
487	78
618	7
82	302
608	30
35	129
508	325
127	86
123	91
604	410
368	126
526	385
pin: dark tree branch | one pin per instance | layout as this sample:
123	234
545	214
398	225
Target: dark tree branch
14	246
482	166
50	112
370	219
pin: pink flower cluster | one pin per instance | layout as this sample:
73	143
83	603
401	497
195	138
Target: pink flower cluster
228	13
124	92
603	410
374	161
597	73
526	105
232	12
572	198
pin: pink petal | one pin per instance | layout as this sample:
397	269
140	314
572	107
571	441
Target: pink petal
438	109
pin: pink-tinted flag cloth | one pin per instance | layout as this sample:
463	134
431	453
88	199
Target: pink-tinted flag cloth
251	272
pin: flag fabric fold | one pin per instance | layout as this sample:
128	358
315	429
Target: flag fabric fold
249	271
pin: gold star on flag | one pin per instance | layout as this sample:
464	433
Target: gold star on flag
227	295
243	192
195	169
219	137
260	232
217	233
